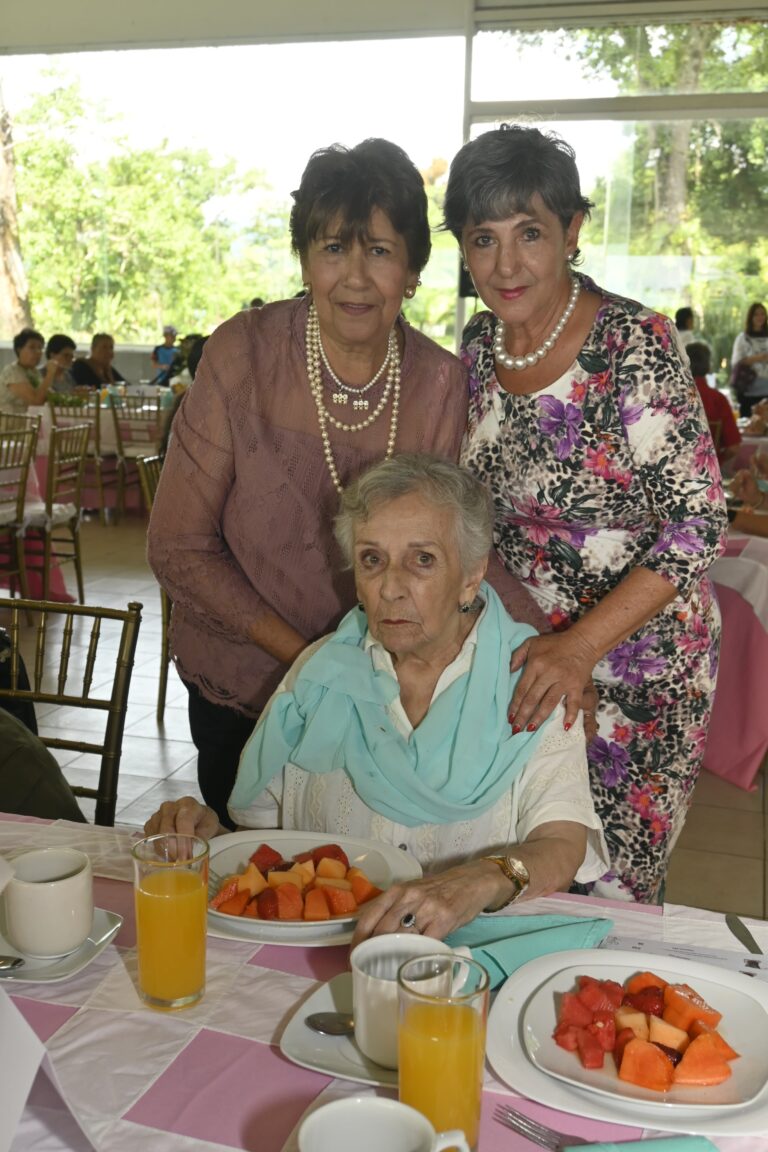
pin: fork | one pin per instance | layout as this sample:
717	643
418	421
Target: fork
537	1133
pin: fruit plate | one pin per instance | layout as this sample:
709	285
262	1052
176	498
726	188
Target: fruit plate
508	1049
383	864
744	1024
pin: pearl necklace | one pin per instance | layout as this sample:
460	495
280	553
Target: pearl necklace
344	391
519	363
324	417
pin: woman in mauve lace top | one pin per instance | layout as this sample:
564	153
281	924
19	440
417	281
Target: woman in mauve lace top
290	402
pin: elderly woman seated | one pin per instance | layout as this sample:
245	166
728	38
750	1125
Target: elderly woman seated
395	727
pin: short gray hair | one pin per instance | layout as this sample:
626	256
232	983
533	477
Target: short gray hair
438	481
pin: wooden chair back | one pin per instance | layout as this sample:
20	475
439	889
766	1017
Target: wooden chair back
90	646
17	452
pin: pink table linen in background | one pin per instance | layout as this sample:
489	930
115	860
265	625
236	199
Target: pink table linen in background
738	733
212	1078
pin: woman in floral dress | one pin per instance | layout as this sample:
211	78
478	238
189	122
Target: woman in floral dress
586	426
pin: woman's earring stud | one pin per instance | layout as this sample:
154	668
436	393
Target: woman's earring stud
464	608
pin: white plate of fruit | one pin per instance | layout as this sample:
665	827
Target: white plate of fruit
290	887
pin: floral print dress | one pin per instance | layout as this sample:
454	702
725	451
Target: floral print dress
612	467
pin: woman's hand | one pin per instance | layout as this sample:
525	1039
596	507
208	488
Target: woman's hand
440	903
186	816
554	667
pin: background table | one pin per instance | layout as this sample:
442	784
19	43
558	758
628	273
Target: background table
212	1077
738	733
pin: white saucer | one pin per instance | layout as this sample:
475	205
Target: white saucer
34	971
337	1056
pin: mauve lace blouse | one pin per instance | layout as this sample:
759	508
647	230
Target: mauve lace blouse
241	523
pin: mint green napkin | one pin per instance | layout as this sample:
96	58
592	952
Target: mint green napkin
502	944
665	1144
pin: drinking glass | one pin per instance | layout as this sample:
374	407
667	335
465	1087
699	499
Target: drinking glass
171	889
443	1009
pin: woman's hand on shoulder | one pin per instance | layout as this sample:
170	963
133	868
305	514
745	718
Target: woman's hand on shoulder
554	666
440	903
186	816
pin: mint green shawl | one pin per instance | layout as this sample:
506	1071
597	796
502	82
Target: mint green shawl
455	765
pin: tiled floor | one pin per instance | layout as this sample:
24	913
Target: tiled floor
719	862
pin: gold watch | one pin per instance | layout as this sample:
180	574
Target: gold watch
516	872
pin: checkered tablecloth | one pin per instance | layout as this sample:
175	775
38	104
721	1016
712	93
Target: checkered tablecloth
212	1077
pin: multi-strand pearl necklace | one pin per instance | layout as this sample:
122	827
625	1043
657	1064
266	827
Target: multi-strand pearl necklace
344	391
518	363
315	360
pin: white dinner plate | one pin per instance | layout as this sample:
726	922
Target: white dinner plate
383	865
35	971
509	1056
744	1026
337	1056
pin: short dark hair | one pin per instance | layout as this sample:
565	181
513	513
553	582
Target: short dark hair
749	327
98	337
24	337
500	172
682	317
700	357
58	343
195	354
348	184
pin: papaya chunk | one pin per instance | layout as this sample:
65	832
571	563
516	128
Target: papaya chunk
316	905
699	1028
290	905
642	980
702	1063
682	1006
644	1064
340	901
362	889
235	905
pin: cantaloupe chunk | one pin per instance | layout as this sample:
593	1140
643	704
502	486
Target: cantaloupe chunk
682	1006
627	1017
646	1065
252	880
329	867
340	901
235	906
662	1032
290	905
316	905
699	1028
332	882
702	1063
362	889
642	980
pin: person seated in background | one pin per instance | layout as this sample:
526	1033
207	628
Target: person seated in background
59	354
751	488
257	302
97	369
21	385
684	322
194	356
395	726
722	422
31	782
164	356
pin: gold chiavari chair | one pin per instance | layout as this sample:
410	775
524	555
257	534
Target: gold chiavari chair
77	647
149	475
56	520
17	454
102	460
138	428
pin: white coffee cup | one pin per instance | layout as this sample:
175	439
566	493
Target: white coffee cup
49	902
375	1124
374	989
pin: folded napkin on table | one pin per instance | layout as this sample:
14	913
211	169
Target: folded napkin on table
665	1144
502	944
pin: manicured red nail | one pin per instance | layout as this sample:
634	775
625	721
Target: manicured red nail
531	728
511	717
515	729
567	726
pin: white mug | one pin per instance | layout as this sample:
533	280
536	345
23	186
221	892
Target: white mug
49	902
375	1124
374	964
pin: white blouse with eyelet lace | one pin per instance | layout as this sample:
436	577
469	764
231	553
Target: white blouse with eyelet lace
554	785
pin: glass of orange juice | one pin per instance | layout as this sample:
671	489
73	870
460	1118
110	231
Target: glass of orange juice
171	890
443	1008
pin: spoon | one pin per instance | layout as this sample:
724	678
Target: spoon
330	1023
8	963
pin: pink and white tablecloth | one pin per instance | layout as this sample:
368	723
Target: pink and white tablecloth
212	1077
738	734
